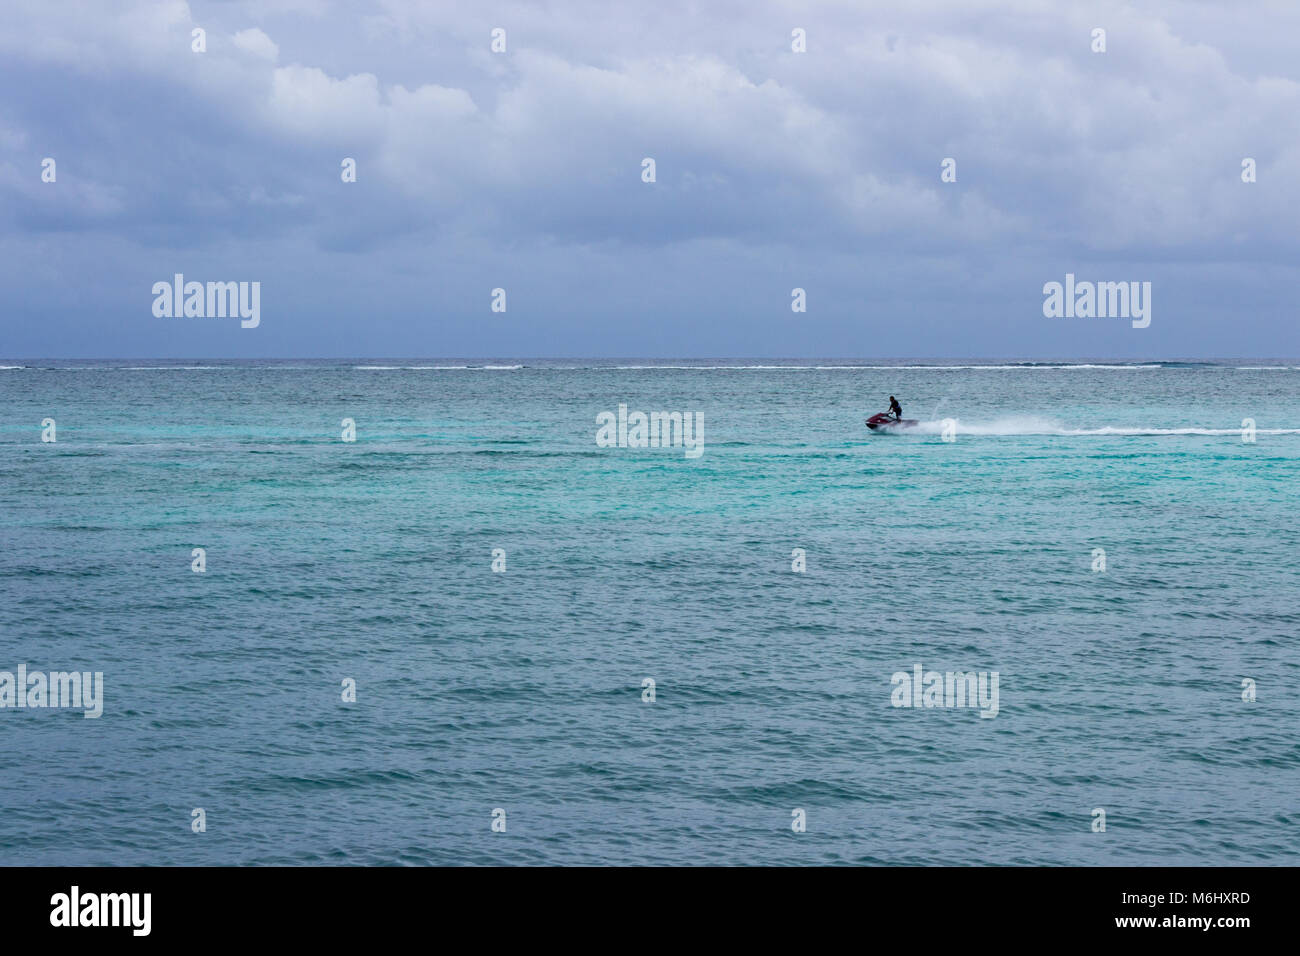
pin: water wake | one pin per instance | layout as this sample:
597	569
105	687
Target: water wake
1031	425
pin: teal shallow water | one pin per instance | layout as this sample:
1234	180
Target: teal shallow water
522	690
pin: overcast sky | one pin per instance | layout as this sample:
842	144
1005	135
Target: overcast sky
775	170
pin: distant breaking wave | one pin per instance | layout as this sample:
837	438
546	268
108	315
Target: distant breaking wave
792	368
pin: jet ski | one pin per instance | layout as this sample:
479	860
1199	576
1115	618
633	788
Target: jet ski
883	421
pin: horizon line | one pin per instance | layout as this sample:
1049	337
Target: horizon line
646	358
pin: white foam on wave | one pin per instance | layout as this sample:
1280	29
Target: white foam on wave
172	368
1022	368
1032	425
437	368
722	368
693	368
887	368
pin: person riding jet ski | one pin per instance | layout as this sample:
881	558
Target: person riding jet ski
891	419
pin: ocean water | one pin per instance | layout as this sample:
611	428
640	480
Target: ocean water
1119	690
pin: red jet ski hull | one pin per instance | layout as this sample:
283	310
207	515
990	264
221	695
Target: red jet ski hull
883	421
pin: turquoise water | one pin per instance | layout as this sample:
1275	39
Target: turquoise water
522	690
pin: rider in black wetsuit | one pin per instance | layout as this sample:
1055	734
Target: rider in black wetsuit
896	408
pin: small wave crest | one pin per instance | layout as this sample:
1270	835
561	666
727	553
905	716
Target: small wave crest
1023	366
437	368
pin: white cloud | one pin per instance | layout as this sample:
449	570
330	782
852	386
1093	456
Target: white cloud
257	43
1136	147
307	101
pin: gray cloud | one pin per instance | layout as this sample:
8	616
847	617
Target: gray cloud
774	169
